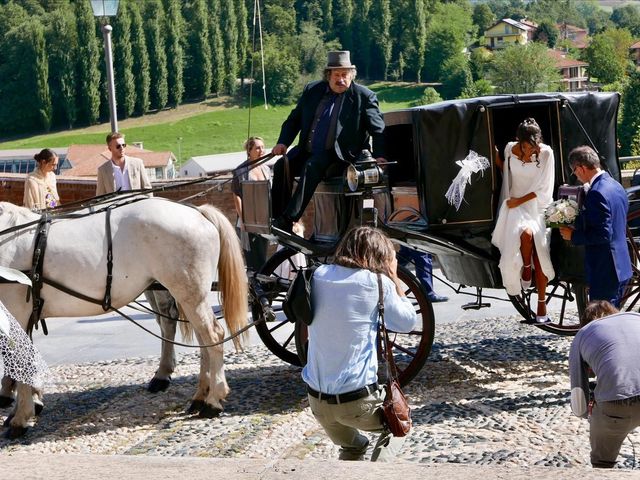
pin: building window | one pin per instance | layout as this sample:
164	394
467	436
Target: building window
159	173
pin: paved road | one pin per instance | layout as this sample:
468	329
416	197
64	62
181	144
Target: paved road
110	337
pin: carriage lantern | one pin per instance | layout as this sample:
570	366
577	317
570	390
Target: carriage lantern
365	173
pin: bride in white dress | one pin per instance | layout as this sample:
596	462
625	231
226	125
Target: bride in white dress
520	232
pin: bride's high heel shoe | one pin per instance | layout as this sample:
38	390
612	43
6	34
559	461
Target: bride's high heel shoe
525	284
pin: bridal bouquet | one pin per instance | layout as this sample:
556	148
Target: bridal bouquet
561	213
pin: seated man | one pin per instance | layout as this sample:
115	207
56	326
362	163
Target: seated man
608	344
336	118
423	263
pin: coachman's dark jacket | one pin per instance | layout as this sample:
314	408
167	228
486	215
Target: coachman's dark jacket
358	120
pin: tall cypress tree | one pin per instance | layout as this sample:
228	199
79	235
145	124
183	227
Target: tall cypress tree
153	26
362	36
62	45
123	64
217	47
381	38
88	65
243	47
141	69
175	53
343	11
229	23
25	91
197	72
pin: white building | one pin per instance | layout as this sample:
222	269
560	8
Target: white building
201	165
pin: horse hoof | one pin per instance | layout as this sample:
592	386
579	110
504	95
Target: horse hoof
196	406
5	401
209	411
7	420
158	385
15	432
39	407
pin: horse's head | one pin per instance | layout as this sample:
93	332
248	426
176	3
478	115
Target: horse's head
11	215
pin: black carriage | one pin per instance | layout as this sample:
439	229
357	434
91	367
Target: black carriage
424	144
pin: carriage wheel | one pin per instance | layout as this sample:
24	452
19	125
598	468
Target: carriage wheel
278	336
570	298
410	350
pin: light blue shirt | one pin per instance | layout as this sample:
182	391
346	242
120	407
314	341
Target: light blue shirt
342	354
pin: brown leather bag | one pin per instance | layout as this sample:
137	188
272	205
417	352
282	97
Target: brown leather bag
395	408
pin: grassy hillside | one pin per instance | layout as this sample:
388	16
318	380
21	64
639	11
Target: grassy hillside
219	130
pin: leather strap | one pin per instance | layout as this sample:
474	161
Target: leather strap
106	302
36	274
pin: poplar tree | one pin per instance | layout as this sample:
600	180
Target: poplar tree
123	64
197	72
229	24
141	69
25	98
62	47
243	47
88	65
361	52
381	38
343	11
216	46
175	53
154	20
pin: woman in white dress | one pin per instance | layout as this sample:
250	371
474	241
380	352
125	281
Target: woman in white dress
520	232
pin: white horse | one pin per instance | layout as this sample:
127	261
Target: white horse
153	240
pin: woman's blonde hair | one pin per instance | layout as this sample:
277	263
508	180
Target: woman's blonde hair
251	142
365	247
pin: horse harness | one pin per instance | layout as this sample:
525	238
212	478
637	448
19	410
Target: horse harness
38	279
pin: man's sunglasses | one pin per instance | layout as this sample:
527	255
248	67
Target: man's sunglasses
120	145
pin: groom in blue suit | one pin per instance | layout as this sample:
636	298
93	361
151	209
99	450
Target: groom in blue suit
601	227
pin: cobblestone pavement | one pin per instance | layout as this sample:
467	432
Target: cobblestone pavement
494	392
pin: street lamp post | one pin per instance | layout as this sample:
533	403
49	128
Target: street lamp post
179	150
105	9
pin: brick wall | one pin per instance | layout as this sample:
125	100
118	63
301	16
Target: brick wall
72	189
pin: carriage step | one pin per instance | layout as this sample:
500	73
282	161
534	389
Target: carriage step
478	304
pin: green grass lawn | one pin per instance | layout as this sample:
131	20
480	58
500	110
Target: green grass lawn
217	131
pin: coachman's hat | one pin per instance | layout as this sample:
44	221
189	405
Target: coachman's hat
339	59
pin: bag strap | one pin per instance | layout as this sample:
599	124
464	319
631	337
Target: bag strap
385	344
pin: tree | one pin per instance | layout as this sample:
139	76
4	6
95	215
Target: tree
24	94
242	46
515	9
281	69
408	52
197	72
447	35
479	88
480	61
630	120
141	63
88	65
217	48
343	13
627	16
457	77
381	39
483	17
154	21
230	39
361	35
123	64
429	96
62	45
607	55
524	69
547	33
596	19
175	53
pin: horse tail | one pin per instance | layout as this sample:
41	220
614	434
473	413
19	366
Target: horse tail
186	330
232	279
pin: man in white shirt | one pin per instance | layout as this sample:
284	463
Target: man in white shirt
121	173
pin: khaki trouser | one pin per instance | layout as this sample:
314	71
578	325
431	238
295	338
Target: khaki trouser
342	422
611	422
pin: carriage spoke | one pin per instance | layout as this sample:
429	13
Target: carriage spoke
286	343
279	325
405	350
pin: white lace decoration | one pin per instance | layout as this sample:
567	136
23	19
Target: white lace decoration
19	358
471	164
